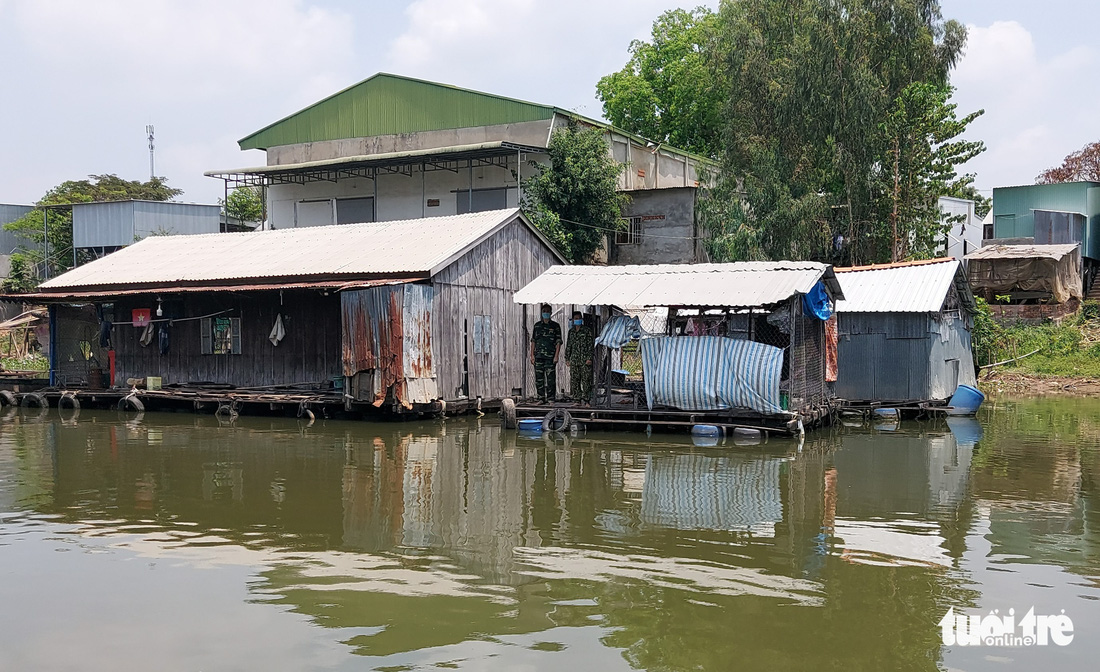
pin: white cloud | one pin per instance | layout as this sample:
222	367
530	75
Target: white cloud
205	72
1037	108
550	53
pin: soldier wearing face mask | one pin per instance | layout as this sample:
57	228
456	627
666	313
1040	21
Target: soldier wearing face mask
578	355
545	348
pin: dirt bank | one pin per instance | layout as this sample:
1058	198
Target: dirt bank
1027	384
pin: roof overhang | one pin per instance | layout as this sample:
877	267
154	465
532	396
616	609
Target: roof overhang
732	285
370	165
62	295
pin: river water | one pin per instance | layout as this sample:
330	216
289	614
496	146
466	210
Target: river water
173	542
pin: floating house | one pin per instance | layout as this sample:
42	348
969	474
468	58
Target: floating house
904	332
398	314
734	344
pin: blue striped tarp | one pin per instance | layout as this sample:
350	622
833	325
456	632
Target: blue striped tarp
707	373
620	330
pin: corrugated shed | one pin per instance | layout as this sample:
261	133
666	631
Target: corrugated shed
388	104
913	288
1013	207
420	246
120	223
741	284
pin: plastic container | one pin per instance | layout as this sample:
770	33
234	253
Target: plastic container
966	400
153	382
705	430
529	425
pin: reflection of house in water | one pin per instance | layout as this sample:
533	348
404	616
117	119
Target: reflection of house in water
692	491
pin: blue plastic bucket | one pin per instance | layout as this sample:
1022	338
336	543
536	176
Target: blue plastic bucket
966	399
529	425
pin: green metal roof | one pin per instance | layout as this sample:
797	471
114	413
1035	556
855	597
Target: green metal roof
390	104
386	104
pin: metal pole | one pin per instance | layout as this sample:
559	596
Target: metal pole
519	178
46	243
470	164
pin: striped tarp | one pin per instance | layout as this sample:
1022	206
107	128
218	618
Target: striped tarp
620	330
706	373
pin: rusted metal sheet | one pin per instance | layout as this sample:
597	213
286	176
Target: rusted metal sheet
379	338
335	285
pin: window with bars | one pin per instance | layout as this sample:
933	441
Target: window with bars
220	335
631	233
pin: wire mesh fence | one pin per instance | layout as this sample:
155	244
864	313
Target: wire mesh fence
78	358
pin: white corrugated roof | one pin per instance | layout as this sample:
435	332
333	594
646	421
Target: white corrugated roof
741	284
901	288
398	247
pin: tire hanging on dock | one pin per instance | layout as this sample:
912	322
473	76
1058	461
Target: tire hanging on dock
69	397
7	398
131	403
508	413
557	420
34	400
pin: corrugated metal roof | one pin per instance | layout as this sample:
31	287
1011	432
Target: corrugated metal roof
1023	251
386	104
742	284
407	247
899	288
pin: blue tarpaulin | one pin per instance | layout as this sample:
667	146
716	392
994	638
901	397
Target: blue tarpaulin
707	373
620	330
817	304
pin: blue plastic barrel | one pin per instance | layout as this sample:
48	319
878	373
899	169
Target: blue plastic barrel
966	400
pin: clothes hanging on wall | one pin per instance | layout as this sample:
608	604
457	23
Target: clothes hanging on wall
165	341
147	335
105	333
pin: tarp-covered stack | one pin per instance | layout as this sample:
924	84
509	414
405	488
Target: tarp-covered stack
1026	272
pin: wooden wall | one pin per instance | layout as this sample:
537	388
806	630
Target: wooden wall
309	353
482	283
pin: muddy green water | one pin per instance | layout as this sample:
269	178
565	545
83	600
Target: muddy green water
178	543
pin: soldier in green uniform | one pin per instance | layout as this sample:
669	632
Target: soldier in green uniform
545	347
578	355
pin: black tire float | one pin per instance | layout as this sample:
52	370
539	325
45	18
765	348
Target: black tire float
131	403
7	398
34	400
557	420
73	402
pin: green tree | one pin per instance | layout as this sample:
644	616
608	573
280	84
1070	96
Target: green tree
245	204
671	90
825	149
575	199
30	261
923	148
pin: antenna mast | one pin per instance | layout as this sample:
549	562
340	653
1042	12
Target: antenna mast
152	170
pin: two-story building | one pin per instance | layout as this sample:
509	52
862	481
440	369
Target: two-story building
392	147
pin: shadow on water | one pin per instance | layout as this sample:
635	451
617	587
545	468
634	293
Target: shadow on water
425	544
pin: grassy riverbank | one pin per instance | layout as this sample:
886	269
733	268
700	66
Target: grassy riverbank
1063	357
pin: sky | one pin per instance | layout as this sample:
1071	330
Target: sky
81	80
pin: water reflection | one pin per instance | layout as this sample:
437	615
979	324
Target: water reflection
458	544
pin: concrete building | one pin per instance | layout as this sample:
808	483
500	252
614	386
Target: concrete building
393	147
965	235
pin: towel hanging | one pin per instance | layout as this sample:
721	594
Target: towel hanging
278	333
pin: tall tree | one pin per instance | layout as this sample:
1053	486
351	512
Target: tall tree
825	143
671	90
575	199
30	262
1082	165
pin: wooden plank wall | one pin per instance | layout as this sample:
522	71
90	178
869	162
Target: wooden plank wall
483	282
309	353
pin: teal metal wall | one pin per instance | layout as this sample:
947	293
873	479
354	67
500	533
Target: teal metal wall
1013	209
